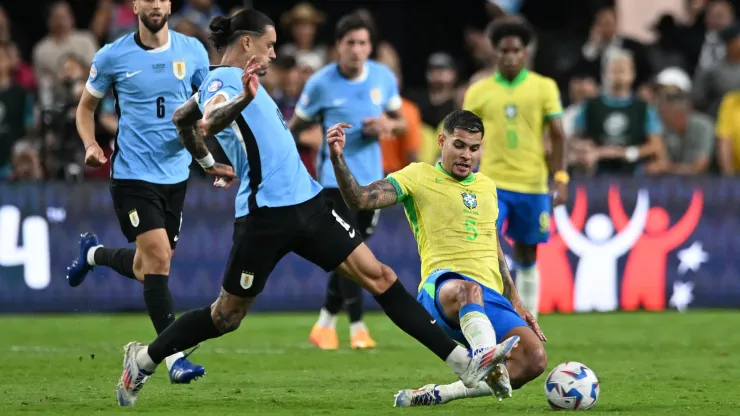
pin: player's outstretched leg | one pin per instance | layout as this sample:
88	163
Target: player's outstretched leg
360	338
193	327
92	254
527	276
412	318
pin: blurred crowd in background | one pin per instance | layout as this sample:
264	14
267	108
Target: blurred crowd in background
688	79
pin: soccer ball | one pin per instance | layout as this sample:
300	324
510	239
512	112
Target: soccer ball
571	386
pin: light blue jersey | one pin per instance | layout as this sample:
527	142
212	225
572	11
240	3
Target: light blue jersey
330	98
148	85
260	148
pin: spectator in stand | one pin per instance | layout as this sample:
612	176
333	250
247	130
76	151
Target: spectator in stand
602	41
10	33
199	12
113	19
688	136
26	162
673	81
666	51
16	111
617	132
728	134
713	83
302	21
22	72
63	39
581	88
719	16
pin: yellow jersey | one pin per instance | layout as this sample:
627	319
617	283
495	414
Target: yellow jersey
728	124
454	222
514	116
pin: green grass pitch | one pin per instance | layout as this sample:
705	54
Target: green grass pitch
648	364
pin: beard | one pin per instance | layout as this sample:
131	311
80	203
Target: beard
150	25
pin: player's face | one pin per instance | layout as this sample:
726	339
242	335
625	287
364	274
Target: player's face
153	13
354	49
511	54
262	48
461	151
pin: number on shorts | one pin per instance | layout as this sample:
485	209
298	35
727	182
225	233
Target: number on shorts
343	223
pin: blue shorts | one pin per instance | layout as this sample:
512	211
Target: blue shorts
528	215
498	309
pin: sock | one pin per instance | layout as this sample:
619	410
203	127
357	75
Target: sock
414	320
457	390
189	330
476	327
326	319
158	301
528	286
351	294
119	259
144	361
170	360
333	302
356	327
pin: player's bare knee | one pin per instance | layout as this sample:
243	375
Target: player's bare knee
228	311
537	361
157	260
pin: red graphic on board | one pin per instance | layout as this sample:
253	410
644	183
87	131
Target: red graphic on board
643	282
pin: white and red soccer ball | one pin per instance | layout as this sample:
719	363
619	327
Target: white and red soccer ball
571	386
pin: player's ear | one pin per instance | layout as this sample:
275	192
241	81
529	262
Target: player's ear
441	140
246	42
135	7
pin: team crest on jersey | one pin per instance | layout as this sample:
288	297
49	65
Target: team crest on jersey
246	280
93	71
376	96
469	200
178	68
215	85
510	110
133	216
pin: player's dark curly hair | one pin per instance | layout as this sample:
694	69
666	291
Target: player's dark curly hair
500	29
226	29
351	22
465	120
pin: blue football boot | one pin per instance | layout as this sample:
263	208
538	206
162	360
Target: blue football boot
183	371
77	272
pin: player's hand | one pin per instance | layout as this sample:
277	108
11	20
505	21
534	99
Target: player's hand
250	79
531	321
336	138
224	175
559	194
376	126
94	156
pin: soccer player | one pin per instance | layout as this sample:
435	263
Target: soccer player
363	93
466	285
515	105
151	73
279	209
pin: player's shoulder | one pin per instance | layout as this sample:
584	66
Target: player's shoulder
415	169
122	45
181	40
484	180
541	80
379	68
480	87
324	75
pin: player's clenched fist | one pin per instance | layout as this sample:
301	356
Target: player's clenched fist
94	156
336	138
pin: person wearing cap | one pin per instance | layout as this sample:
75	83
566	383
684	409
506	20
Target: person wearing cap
712	84
688	136
302	21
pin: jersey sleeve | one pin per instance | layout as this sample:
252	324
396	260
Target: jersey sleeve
202	62
470	101
724	117
404	180
394	96
552	108
310	104
653	126
224	83
101	74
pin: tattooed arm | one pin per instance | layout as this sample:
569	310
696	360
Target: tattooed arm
220	112
379	194
186	120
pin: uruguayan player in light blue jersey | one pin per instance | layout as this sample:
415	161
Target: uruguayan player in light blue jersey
279	209
150	72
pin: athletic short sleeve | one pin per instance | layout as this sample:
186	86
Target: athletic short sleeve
101	74
226	83
405	180
310	104
552	108
202	63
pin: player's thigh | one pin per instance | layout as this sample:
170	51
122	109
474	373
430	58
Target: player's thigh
139	207
258	244
174	203
429	298
529	219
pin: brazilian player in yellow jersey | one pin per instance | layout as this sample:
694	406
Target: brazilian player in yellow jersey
516	106
465	285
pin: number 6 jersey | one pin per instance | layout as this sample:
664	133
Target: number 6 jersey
454	222
148	85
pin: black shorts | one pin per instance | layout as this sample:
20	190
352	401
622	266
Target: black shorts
314	230
364	221
143	206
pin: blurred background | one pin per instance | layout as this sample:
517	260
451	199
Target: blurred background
686	56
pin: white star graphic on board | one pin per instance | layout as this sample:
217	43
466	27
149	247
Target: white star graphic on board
683	295
691	258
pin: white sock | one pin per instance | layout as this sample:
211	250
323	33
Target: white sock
326	319
476	327
172	358
457	390
528	286
91	255
356	327
144	361
458	360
